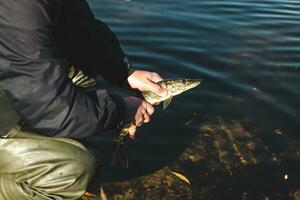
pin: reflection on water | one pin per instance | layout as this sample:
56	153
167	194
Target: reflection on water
244	138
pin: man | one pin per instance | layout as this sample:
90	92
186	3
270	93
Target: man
39	41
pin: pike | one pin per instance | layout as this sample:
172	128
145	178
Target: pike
174	87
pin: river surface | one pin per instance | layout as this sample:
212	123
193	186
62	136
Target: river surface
247	52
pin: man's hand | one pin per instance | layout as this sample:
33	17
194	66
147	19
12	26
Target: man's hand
137	113
146	81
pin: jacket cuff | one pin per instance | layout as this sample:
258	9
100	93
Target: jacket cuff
130	70
129	66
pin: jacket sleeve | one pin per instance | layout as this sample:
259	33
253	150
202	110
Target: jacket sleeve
34	76
90	44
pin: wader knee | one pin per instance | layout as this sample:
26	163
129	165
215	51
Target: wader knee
35	167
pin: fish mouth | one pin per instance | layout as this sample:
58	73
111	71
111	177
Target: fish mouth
191	83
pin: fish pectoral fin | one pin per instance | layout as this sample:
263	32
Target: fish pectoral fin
167	102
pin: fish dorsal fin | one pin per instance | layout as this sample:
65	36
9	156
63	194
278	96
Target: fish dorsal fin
167	102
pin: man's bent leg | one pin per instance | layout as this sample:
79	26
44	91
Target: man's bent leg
43	168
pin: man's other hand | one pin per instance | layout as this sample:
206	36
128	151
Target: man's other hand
137	113
146	81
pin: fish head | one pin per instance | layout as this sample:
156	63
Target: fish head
177	86
173	87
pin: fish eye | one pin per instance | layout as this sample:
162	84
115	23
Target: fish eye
184	81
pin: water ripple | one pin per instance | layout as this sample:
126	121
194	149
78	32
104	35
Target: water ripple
233	45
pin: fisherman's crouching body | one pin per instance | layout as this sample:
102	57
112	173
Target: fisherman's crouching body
40	39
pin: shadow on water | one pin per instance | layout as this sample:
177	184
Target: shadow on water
224	156
225	153
225	160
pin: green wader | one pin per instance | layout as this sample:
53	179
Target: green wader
35	167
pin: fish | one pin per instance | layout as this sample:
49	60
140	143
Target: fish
174	87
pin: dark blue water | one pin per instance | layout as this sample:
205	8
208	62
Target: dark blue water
246	51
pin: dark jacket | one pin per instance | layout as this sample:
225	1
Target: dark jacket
39	41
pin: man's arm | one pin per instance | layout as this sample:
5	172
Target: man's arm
88	43
34	76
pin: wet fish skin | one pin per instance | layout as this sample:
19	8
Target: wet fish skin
173	87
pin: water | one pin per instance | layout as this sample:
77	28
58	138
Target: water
248	54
